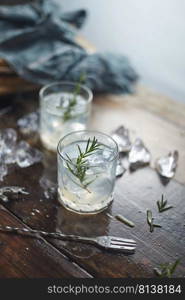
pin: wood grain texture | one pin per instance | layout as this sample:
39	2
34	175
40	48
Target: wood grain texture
159	104
134	194
32	258
12	84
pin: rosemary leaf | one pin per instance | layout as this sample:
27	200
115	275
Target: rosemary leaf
125	220
158	272
161	204
151	226
174	266
149	217
167	269
79	149
166	208
150	221
68	157
87	146
157	225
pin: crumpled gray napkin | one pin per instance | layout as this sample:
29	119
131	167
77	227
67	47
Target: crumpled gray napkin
38	41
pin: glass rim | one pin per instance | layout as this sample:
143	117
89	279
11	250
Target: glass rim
116	154
82	86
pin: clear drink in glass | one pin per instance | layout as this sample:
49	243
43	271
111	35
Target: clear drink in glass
63	111
86	185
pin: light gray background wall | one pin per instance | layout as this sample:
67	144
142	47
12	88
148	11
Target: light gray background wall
150	32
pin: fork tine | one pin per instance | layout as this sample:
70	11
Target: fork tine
127	248
115	239
119	243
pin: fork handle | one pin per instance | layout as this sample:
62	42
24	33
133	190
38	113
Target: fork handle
39	233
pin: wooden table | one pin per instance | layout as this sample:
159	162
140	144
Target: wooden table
160	122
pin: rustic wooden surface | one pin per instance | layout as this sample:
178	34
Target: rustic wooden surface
161	124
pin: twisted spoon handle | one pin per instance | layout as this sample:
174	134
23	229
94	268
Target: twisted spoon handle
40	233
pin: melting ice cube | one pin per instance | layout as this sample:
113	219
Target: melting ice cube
108	154
3	170
166	166
64	100
121	136
26	155
8	138
139	155
29	123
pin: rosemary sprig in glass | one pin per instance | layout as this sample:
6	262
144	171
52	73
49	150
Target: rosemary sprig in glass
150	221
167	269
73	101
162	205
80	167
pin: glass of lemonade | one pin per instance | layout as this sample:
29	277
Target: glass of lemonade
87	163
64	107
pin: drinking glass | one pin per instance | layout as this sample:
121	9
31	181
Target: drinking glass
87	163
64	107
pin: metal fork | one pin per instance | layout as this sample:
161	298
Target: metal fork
106	242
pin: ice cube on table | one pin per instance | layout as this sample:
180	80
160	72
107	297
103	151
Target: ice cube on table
8	138
3	170
122	138
26	155
166	166
10	158
11	190
139	155
29	123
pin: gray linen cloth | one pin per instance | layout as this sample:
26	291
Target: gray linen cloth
38	41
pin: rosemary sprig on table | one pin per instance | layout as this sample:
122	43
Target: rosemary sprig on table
81	164
124	220
150	221
167	269
73	101
162	205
